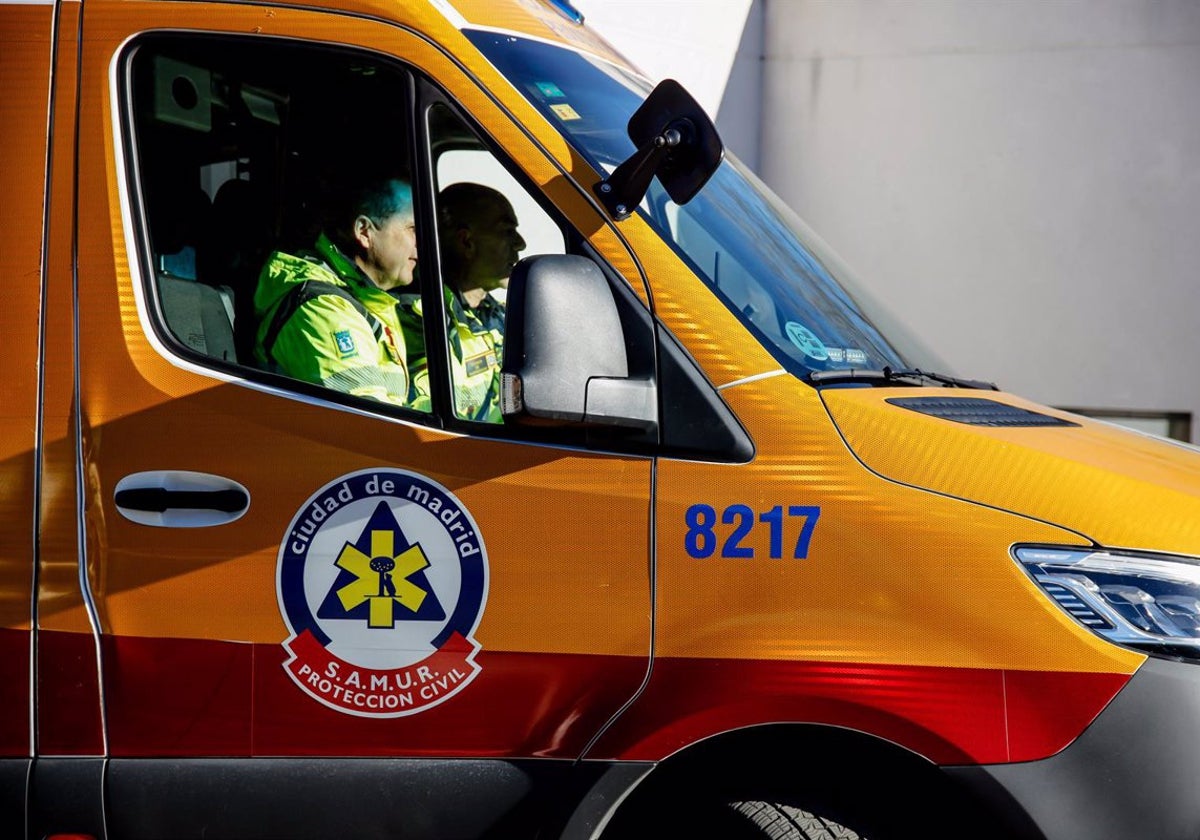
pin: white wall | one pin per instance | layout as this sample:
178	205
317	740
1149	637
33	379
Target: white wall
1022	178
713	47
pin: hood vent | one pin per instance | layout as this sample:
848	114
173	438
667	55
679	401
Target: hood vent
977	412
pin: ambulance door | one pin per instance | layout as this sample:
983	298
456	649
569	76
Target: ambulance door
288	579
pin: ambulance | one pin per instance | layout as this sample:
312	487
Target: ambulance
742	560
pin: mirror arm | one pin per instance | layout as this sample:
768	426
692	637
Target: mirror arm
624	190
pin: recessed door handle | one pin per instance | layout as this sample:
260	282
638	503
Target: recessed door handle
180	499
160	500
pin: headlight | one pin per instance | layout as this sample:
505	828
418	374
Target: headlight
1150	602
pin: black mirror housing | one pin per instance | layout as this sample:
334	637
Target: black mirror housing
676	141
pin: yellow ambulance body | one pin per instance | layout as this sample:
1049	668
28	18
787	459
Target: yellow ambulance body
736	563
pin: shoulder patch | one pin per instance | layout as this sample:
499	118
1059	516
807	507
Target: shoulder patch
345	344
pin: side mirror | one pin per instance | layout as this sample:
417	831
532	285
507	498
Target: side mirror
675	140
564	349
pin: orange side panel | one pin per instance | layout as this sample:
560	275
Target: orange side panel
890	574
69	724
801	587
1120	488
24	97
25	76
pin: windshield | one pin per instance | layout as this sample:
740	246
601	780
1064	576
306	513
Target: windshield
767	267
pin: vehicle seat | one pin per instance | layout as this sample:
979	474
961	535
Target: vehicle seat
179	221
239	241
200	316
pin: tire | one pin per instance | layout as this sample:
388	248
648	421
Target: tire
785	822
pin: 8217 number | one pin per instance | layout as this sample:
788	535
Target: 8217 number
702	537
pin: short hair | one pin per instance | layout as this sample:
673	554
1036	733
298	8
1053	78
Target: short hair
460	204
382	200
378	200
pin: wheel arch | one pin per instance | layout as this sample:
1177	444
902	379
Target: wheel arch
855	778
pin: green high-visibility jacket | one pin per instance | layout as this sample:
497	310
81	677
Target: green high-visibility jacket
476	338
322	320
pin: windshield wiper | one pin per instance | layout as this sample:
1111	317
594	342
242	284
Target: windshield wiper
897	376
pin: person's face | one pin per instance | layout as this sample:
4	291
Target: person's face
389	249
495	245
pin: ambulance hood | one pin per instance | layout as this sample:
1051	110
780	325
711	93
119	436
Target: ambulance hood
1120	488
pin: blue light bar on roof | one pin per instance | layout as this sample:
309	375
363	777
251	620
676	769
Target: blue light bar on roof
564	8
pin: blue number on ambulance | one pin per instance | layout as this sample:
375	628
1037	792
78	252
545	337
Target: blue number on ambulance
702	538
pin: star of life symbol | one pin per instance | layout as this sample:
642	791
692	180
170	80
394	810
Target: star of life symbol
382	579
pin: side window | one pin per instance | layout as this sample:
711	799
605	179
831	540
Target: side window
280	209
280	232
486	222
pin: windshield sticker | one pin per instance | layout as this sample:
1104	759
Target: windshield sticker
382	579
550	90
565	112
807	341
850	356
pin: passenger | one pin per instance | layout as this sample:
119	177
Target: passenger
327	316
479	247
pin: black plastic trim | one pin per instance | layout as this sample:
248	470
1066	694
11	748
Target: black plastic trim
975	411
65	797
1132	773
695	421
362	798
14	789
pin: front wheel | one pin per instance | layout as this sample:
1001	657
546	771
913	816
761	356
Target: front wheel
772	821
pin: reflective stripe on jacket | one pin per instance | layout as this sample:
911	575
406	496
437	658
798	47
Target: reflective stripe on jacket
475	355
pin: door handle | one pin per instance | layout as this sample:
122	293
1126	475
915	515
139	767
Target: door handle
180	499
